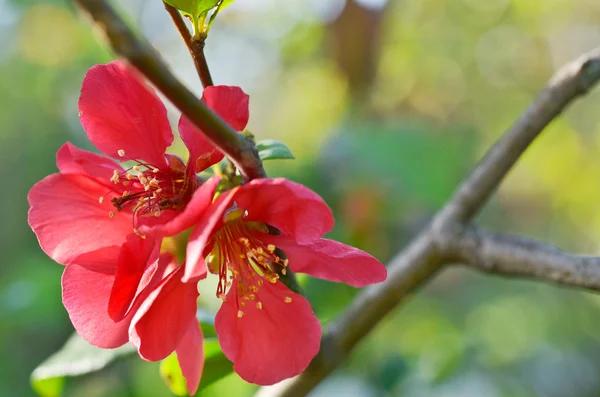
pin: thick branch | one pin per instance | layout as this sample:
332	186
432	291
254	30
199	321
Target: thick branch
521	257
144	58
416	264
568	83
195	47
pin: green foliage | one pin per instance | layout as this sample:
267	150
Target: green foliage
270	149
76	357
197	11
216	366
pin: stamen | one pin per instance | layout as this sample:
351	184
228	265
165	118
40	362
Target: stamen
101	199
111	214
240	314
287	299
259	305
121	152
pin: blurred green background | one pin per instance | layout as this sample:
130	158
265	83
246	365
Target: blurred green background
386	105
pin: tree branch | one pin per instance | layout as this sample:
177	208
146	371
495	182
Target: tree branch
522	257
571	81
195	47
144	58
433	248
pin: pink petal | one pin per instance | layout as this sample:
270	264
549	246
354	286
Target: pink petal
85	296
291	207
190	353
119	111
164	317
72	160
229	102
200	201
209	223
270	344
202	151
68	219
331	260
135	256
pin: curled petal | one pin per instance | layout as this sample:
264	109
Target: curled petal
119	111
211	221
163	318
229	102
291	207
72	160
203	153
273	343
134	258
190	354
68	219
331	260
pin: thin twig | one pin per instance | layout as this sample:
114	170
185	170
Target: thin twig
144	58
433	248
195	47
522	257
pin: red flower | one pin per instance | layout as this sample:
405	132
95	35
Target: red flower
116	285
93	202
158	311
251	233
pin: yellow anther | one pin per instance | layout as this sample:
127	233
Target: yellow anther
271	248
136	168
259	305
156	170
283	271
121	152
111	214
252	297
129	176
285	262
157	213
138	233
253	288
223	297
126	193
101	199
115	177
287	299
240	313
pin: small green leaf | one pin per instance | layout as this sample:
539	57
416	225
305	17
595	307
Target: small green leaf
193	7
216	366
270	149
51	387
76	357
171	374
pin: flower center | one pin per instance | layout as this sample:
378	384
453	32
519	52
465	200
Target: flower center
150	190
242	260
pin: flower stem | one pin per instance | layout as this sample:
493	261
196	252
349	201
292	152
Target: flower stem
195	45
145	59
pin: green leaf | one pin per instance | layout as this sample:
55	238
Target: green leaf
171	374
51	387
216	366
76	357
194	8
270	149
